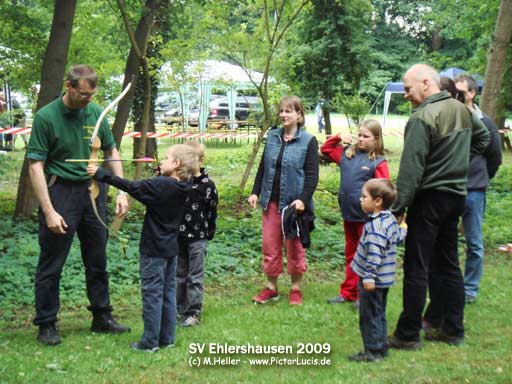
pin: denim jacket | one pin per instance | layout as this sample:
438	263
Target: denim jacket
292	167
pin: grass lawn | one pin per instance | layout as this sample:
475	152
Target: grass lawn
230	317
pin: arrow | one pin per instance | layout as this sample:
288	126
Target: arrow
143	160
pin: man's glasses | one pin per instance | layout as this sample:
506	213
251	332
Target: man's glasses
85	95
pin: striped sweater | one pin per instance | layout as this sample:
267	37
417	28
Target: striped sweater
375	258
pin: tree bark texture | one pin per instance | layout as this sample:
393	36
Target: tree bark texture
496	61
52	75
131	72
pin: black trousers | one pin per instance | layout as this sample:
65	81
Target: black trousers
71	200
431	249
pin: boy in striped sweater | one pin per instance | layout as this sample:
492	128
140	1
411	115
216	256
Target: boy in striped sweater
375	264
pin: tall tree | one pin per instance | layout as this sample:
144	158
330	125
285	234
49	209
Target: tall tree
140	48
331	54
131	73
52	73
496	64
23	38
250	33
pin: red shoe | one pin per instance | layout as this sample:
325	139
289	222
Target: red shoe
295	297
265	295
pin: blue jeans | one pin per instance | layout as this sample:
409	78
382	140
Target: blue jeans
158	287
472	221
190	277
372	317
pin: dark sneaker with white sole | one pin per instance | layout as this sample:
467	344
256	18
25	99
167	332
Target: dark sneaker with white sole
105	323
140	347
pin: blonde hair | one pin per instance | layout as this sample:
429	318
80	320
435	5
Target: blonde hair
296	103
376	130
188	159
199	148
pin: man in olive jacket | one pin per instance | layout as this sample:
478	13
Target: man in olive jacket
439	137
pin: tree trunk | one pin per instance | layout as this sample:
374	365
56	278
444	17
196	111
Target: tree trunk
437	40
131	72
327	119
259	140
52	74
496	60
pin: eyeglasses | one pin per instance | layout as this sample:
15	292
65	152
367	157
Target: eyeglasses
85	95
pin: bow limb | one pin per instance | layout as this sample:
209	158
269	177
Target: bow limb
107	110
94	187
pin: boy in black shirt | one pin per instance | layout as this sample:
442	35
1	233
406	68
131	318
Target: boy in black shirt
164	197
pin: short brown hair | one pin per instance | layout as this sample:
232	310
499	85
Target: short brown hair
470	82
382	188
82	72
296	103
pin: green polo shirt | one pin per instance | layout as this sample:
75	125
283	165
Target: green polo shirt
60	133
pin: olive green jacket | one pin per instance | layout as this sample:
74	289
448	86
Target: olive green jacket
439	138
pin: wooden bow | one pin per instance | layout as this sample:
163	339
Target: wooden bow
95	143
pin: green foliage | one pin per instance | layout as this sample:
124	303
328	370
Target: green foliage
230	317
23	38
354	107
329	48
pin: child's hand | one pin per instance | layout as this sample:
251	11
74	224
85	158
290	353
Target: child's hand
92	169
369	286
346	138
299	205
253	200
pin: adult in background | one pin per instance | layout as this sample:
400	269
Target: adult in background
62	130
482	169
287	177
431	184
319	113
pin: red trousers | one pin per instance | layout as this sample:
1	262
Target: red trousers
353	231
273	246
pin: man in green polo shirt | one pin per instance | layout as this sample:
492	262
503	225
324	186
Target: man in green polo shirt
62	130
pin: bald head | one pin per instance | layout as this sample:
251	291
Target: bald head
420	82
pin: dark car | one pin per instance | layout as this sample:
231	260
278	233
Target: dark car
247	111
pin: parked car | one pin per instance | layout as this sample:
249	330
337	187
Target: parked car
248	110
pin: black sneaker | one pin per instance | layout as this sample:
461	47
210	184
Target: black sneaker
396	343
441	336
140	347
366	357
48	334
104	323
